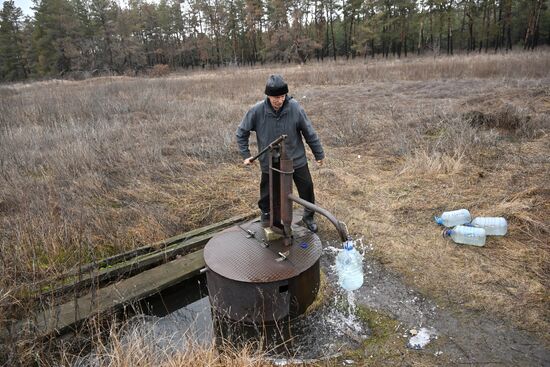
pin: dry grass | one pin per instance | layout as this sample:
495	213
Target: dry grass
136	349
91	168
425	156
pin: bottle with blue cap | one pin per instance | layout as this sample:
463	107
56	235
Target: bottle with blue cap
349	266
454	218
467	235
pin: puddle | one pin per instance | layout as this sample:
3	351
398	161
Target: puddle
322	334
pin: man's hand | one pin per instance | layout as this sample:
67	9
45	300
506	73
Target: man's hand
248	161
320	162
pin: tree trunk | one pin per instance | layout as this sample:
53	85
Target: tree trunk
508	17
531	36
420	37
487	28
344	20
350	34
449	29
332	33
484	25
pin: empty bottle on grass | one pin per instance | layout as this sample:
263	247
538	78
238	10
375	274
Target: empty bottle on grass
466	235
493	226
454	218
349	266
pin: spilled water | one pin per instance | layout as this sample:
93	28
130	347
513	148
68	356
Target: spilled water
321	334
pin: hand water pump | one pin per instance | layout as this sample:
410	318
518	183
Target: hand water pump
281	196
263	275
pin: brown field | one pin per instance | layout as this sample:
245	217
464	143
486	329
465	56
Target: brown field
91	168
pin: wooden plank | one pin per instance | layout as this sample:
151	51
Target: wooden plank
159	245
147	283
135	265
136	260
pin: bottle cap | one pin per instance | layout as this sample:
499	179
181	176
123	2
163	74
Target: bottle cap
438	220
447	233
348	245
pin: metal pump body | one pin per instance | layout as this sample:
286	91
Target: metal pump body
280	193
256	280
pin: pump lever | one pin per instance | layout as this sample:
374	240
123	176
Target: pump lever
270	146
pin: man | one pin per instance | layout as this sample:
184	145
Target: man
279	114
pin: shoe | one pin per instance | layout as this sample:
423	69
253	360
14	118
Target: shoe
264	220
310	224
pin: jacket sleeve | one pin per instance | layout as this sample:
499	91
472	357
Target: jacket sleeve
310	136
247	125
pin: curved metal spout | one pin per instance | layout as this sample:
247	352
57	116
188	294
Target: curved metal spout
340	226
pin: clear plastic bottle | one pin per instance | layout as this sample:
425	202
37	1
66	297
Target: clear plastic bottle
349	266
466	235
494	226
454	218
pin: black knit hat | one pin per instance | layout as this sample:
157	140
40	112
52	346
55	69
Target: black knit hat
276	86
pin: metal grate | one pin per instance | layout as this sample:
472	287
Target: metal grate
232	255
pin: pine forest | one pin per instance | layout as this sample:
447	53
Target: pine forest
79	38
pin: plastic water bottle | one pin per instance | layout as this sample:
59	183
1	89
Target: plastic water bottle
494	226
466	235
349	265
454	218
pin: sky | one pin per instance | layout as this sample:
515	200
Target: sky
25	5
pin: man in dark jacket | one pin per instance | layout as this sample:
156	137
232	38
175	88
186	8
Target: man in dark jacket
279	114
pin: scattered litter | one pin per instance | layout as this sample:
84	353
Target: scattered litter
300	361
398	326
331	249
348	362
421	339
438	353
413	332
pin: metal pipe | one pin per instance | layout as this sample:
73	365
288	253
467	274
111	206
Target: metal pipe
340	226
285	175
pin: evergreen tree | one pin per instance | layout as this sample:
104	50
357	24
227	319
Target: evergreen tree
12	62
67	37
103	18
54	37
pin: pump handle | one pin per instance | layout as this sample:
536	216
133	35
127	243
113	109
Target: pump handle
270	146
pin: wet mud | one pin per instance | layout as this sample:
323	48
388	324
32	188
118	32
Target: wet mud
458	337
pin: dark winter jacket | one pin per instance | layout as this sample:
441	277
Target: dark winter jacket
269	125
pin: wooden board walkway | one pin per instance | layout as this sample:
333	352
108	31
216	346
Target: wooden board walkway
59	318
148	270
134	261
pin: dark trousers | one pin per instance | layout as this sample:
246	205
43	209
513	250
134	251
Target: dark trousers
304	184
